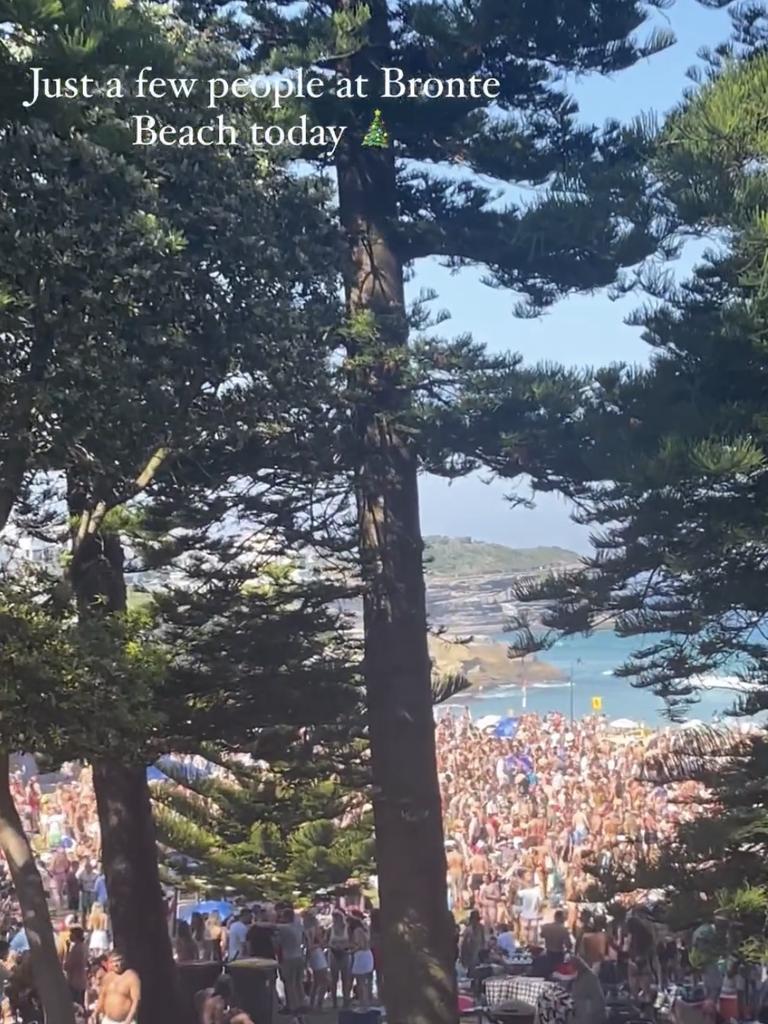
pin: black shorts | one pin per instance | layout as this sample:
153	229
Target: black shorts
475	881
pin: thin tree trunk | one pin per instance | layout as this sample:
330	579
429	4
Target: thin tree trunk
136	904
50	982
418	940
49	978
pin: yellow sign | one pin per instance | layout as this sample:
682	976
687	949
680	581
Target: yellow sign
597	703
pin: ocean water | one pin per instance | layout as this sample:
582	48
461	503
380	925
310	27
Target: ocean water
592	660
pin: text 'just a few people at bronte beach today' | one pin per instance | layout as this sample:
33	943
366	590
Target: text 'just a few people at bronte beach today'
148	130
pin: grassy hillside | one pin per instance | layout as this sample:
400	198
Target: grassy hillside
462	556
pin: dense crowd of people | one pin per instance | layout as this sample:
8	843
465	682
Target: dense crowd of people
531	811
534	811
325	953
527	814
63	827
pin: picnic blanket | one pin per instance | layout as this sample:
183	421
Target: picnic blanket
553	1005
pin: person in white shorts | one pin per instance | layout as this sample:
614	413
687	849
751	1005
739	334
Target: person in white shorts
362	962
529	903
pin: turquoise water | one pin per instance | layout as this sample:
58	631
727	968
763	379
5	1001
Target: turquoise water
592	660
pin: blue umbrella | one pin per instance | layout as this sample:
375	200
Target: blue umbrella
507	728
519	763
20	942
221	907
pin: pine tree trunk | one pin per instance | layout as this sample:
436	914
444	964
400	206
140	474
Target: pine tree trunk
418	945
128	842
136	904
49	978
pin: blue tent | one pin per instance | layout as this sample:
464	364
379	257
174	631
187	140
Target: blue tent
507	728
221	907
180	767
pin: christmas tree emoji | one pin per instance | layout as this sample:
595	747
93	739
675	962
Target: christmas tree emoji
377	134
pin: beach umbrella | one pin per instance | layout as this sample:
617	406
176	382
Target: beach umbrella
518	762
623	724
488	721
221	907
506	729
693	723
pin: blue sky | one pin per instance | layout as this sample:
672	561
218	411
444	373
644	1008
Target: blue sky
584	329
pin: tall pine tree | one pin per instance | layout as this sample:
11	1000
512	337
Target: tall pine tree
157	331
679	525
422	196
670	469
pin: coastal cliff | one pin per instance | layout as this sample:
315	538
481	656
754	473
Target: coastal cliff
470	596
470	584
470	588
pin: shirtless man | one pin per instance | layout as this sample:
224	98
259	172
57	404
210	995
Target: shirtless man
120	993
59	870
455	865
478	867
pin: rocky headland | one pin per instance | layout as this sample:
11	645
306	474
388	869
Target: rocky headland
486	665
470	595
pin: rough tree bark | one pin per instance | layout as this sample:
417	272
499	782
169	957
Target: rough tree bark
49	978
136	904
129	850
418	943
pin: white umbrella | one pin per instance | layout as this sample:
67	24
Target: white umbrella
488	721
624	723
693	723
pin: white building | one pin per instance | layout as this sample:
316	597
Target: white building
18	549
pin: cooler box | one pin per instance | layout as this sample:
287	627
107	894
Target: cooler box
729	1007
